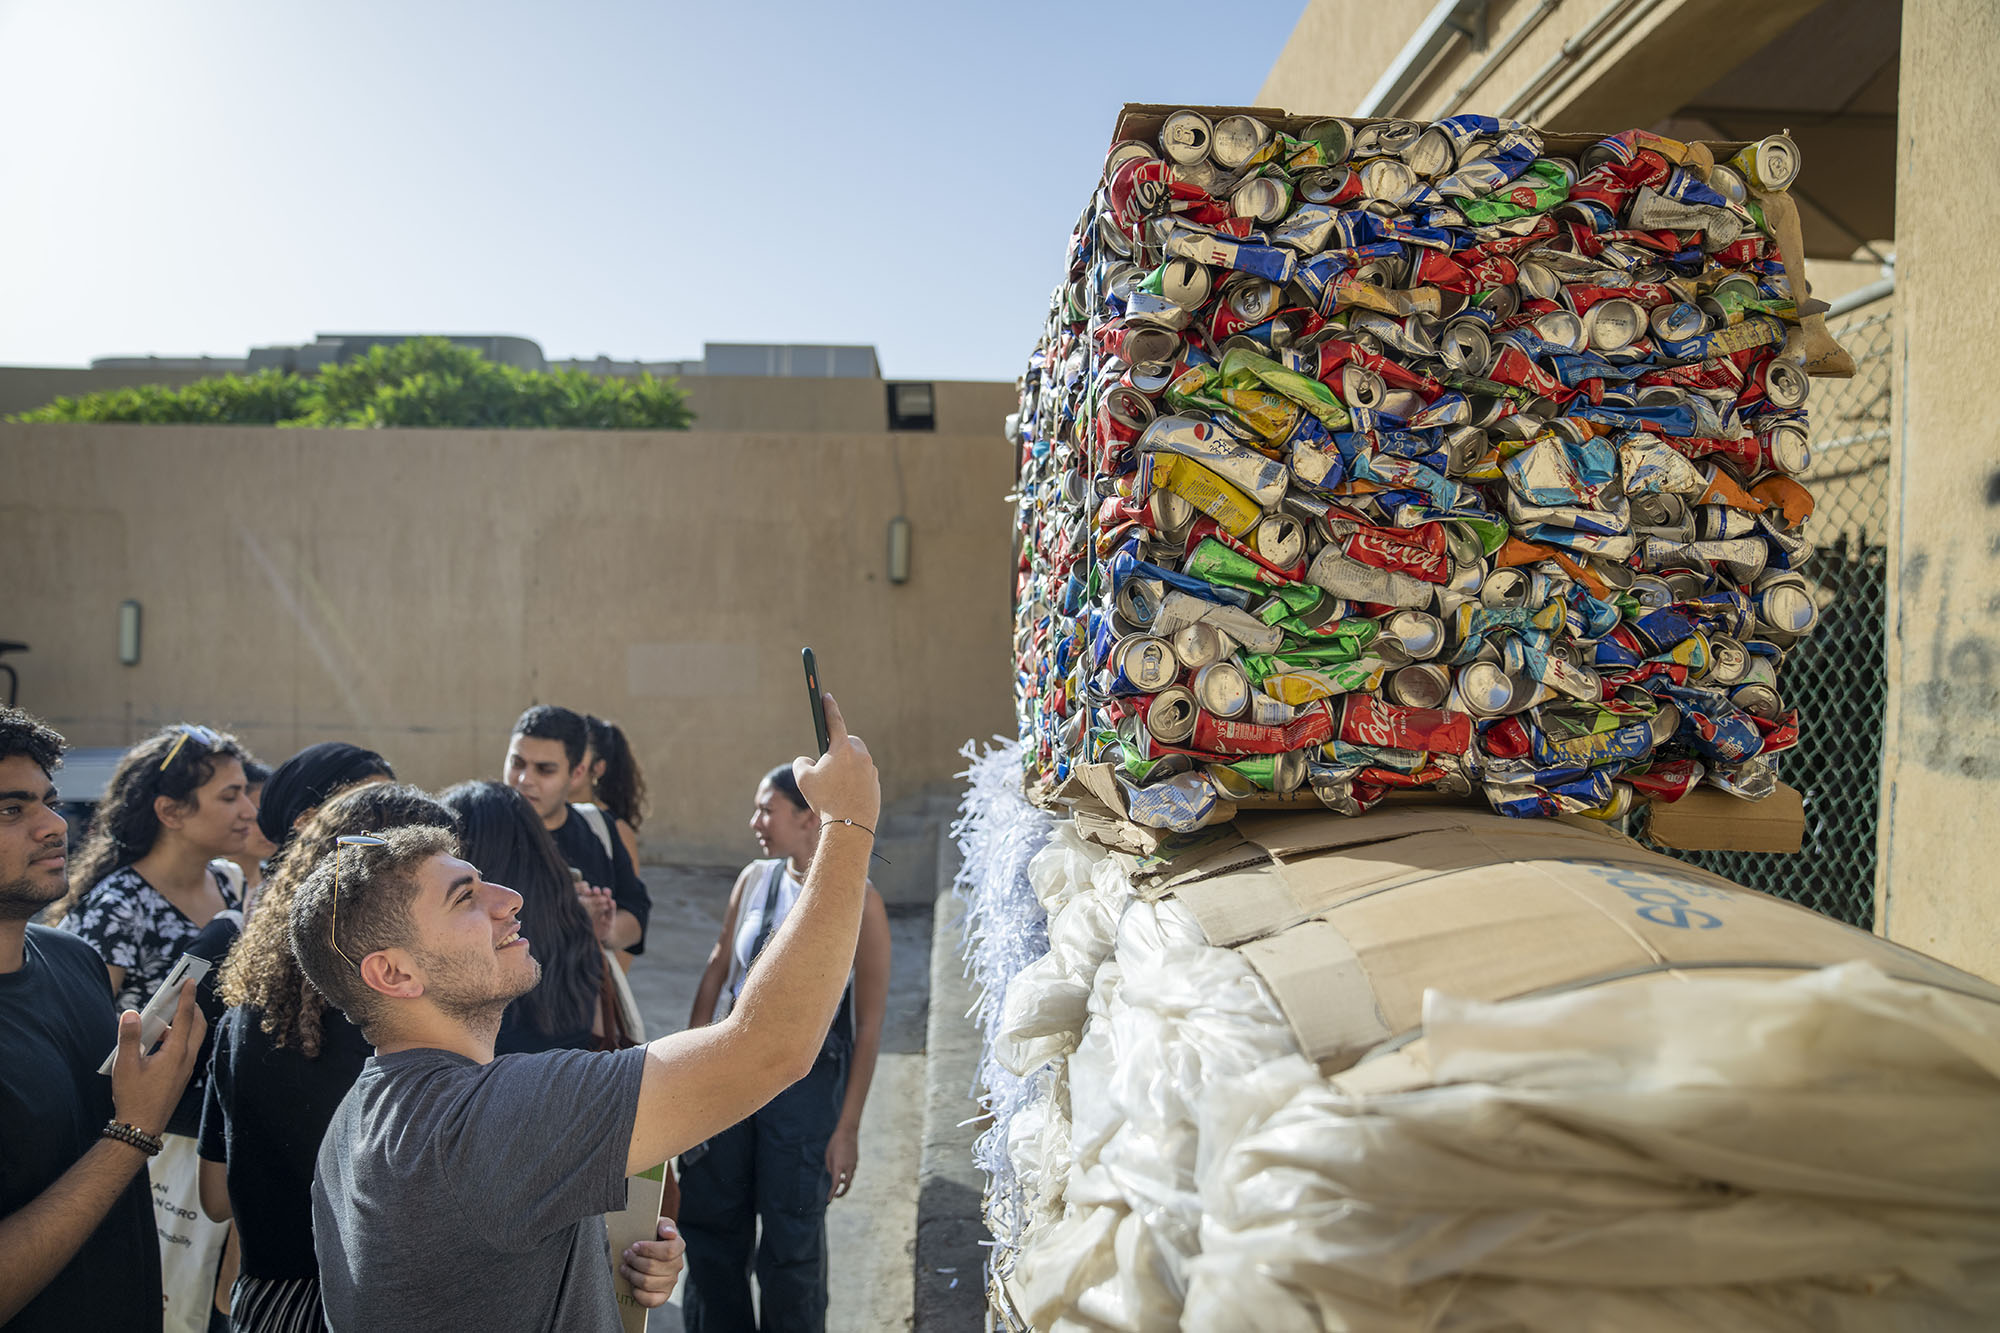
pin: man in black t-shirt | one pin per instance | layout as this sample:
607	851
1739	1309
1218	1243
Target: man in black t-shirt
545	755
80	1246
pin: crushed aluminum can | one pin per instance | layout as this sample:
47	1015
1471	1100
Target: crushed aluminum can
1217	735
1785	385
1198	645
1728	663
1186	137
1180	804
1561	328
1417	633
1465	347
1354	581
1419	685
1486	690
1752	780
1220	687
1389	181
1786	449
1143	664
1786	605
1619	806
1280	539
1235	139
1667	779
1769	164
1504	587
1138	602
1262	198
1729	183
1366	720
1614	325
1758	700
1719	523
1185	283
1170	715
1678	322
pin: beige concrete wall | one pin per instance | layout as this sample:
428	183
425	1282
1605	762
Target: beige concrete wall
1336	52
1340	48
1941	768
414	590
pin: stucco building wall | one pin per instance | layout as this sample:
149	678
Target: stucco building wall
1941	762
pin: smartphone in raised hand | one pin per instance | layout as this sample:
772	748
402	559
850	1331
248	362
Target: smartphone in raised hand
818	703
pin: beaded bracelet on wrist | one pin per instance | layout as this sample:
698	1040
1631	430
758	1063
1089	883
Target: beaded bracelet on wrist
149	1144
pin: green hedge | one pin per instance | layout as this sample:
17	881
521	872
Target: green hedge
422	382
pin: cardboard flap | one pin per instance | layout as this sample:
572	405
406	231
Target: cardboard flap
1709	820
1289	835
1240	905
1820	353
1314	959
1264	898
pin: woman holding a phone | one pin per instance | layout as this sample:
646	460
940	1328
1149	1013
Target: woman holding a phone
783	1165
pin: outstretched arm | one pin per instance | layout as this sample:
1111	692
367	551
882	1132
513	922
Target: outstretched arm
700	1082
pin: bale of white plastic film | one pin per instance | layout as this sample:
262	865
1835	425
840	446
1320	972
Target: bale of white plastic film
1813	1154
1747	1147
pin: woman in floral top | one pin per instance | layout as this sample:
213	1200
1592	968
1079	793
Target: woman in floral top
142	886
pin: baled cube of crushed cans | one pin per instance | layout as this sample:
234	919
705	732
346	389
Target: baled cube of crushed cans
1389	455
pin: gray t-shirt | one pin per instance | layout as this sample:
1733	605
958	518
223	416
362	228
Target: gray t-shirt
452	1194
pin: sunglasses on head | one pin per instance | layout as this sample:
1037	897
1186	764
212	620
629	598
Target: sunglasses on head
341	844
208	740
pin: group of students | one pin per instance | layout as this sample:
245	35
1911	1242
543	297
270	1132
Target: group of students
346	1104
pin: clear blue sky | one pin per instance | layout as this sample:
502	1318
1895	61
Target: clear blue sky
618	178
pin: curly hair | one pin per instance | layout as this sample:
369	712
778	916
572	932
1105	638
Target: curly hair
262	970
622	785
126	825
24	733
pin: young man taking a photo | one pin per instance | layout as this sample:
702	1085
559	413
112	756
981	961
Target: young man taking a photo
456	1190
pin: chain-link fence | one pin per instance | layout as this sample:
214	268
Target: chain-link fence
1836	677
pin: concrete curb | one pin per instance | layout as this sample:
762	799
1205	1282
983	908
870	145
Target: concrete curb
950	1259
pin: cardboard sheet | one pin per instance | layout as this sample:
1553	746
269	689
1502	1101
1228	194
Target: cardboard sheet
1709	820
1350	921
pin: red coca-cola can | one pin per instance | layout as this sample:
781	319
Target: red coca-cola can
1366	719
1218	735
1407	550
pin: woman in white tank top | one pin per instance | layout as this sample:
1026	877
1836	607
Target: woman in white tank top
782	1166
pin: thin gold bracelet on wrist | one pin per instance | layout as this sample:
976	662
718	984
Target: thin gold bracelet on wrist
149	1144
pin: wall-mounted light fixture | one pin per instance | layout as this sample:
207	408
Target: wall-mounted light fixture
128	633
899	549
